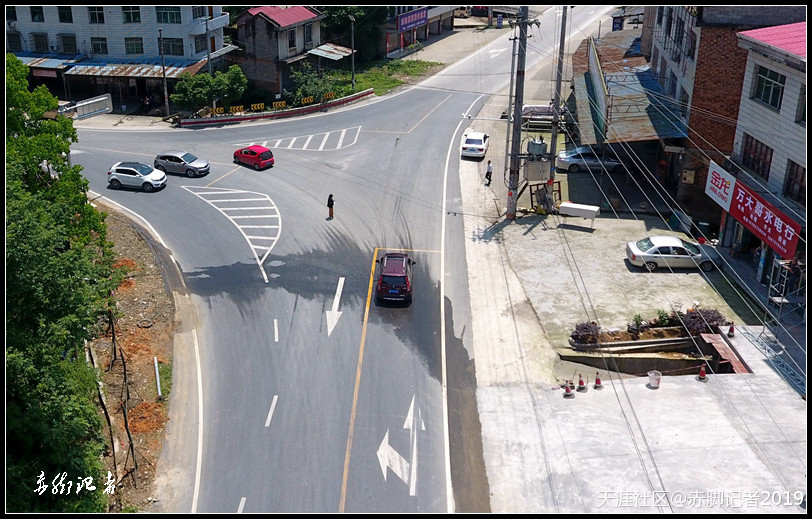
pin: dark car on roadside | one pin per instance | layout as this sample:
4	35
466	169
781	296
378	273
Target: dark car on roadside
256	156
181	163
394	278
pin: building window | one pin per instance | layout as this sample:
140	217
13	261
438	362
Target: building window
131	14
40	42
757	157
692	45
660	15
200	43
672	85
679	30
98	45
309	34
198	11
800	118
769	87
67	43
168	14
684	102
292	39
668	22
11	13
172	46
15	43
65	14
134	45
795	187
96	14
37	14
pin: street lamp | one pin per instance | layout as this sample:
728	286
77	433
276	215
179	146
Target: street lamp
352	58
163	70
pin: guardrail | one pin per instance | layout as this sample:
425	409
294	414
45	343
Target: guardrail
219	120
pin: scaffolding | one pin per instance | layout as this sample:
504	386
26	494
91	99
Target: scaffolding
785	293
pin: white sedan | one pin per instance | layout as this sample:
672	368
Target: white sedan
475	145
670	252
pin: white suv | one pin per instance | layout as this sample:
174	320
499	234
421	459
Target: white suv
135	174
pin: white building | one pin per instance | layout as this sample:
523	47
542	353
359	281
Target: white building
80	51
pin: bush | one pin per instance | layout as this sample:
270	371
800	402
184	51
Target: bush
586	333
703	320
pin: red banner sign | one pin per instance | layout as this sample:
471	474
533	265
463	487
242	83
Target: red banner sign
773	227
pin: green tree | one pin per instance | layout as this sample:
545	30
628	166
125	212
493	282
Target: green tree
193	91
59	277
230	85
308	83
369	22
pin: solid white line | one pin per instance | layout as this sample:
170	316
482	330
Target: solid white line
242	505
341	139
144	220
264	199
199	467
275	331
307	142
292	141
270	413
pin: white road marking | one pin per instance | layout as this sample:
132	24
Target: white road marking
270	413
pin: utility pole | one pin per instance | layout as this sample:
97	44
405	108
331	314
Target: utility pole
352	39
556	109
509	111
513	178
163	71
208	46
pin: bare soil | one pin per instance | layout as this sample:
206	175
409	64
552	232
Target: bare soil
144	320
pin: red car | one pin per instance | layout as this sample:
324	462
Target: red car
259	157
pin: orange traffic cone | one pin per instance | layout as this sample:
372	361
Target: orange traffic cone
568	392
581	385
730	332
701	377
598	384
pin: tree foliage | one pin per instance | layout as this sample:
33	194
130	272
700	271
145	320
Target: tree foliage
59	277
308	83
197	91
337	27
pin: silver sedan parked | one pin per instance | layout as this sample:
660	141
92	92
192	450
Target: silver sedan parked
672	252
586	158
181	163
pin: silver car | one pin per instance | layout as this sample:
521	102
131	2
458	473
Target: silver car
181	163
587	158
671	252
135	174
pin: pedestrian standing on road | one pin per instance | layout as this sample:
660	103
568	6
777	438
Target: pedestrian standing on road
488	173
330	206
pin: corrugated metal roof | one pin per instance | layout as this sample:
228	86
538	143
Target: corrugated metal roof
285	16
146	69
331	51
53	63
790	38
640	110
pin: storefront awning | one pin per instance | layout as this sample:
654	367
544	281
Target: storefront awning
145	69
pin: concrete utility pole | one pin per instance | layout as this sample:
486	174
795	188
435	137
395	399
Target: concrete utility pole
556	109
513	178
163	72
352	58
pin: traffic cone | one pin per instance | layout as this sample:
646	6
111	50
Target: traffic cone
730	332
701	377
568	392
581	385
598	384
571	384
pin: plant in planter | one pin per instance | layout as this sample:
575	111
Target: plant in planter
637	326
703	320
586	333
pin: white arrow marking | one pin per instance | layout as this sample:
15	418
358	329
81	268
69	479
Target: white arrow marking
334	314
414	420
389	457
496	52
